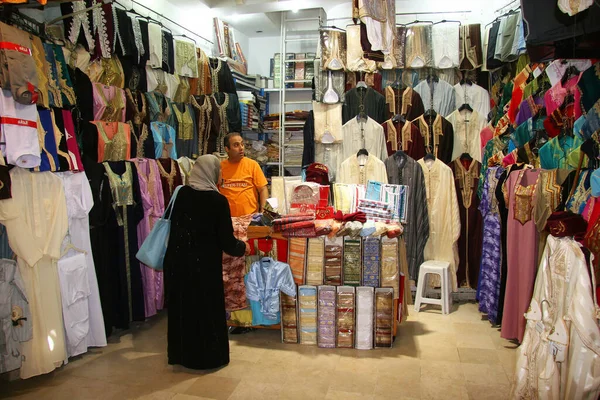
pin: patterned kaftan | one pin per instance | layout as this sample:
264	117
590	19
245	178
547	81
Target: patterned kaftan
488	288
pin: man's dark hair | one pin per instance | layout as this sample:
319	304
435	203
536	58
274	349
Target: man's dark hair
229	136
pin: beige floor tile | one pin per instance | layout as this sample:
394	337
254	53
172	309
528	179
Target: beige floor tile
84	389
472	327
398	385
437	339
267	373
436	353
214	387
350	382
474	340
410	368
488	392
441	370
245	353
237	369
304	389
478	356
181	396
250	389
149	395
342	395
484	374
438	389
508	360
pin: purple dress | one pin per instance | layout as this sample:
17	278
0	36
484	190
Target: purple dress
488	287
153	204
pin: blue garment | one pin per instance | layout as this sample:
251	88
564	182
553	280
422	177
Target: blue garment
257	316
592	122
163	134
373	191
561	152
49	153
265	280
488	287
577	127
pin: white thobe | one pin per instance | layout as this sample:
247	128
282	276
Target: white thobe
475	96
444	216
445	45
368	135
79	203
467	127
352	171
36	222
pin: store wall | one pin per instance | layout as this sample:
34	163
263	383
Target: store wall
262	49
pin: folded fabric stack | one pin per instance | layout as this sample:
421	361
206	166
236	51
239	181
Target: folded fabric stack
384	310
351	266
376	210
307	301
355	216
345	317
294	222
326	312
297	258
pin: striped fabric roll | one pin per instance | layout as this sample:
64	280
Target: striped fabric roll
351	267
326	312
371	262
364	318
345	319
315	261
307	302
297	258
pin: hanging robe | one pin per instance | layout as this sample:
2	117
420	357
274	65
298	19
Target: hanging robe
36	222
466	177
403	170
444	216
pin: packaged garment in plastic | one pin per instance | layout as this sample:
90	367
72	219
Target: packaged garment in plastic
352	259
345	319
315	260
384	317
307	303
289	318
326	312
390	273
333	261
364	318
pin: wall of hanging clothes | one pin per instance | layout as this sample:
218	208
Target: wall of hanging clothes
101	128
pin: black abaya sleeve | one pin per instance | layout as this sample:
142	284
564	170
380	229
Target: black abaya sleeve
138	210
229	244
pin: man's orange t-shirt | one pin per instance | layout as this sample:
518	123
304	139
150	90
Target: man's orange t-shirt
241	182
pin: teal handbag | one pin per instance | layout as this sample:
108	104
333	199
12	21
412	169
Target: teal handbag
153	250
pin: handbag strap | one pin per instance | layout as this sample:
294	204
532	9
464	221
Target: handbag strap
169	209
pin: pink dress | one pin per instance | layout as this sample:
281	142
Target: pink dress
555	96
521	250
153	204
72	145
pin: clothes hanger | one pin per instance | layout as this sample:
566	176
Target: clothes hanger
416	21
569	72
429	156
465	106
430	113
332	27
466	157
362	152
71	246
466	81
361	85
187	37
398	118
447	21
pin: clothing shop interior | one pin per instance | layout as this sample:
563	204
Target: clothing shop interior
286	199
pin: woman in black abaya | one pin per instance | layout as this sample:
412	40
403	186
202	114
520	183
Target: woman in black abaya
201	231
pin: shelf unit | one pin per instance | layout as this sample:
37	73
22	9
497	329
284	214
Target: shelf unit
296	30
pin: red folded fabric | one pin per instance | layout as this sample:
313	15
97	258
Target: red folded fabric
338	216
293	218
303	232
294	226
356	216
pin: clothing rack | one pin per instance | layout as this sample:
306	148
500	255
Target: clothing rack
506	5
171	21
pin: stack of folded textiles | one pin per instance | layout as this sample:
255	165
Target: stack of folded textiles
307	301
345	317
289	319
383	316
327	331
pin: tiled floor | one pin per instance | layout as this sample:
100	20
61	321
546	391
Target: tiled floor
456	356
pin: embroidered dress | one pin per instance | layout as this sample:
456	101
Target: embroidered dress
466	177
488	287
555	97
154	207
164	140
187	138
439	136
561	152
128	213
160	109
170	177
234	269
522	250
495	145
186	62
114	141
109	103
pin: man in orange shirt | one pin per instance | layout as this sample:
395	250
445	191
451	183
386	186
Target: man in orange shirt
244	184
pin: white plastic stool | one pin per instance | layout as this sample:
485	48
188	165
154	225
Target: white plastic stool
441	268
